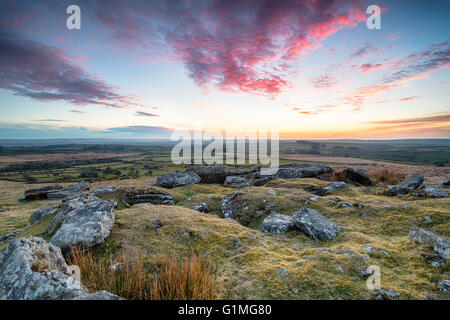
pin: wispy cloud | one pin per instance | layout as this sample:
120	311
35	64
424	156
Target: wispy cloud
435	118
146	114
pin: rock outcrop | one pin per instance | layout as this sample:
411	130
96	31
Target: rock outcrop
440	245
210	174
410	184
302	171
177	179
277	223
149	195
69	192
314	224
102	191
87	226
431	191
32	269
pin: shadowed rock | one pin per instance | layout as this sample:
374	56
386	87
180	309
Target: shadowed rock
9	235
40	193
177	179
277	223
356	176
210	174
314	224
32	269
86	226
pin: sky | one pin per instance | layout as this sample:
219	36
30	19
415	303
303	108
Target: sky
142	69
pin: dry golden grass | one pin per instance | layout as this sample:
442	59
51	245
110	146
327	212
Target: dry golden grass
191	279
119	274
387	176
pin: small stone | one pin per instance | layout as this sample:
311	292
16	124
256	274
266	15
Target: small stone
282	271
272	192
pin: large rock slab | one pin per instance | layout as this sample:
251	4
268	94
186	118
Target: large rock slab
86	226
32	269
302	171
277	223
440	245
40	193
39	214
314	224
102	191
242	172
410	184
69	192
64	209
356	176
210	174
177	179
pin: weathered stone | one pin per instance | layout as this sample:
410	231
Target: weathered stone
102	191
177	179
410	184
331	187
234	180
210	174
63	210
314	224
277	223
69	192
430	192
86	226
242	172
356	176
99	295
302	171
202	207
32	269
440	245
446	181
149	195
40	193
38	215
256	182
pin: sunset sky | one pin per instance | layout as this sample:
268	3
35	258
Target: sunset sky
141	69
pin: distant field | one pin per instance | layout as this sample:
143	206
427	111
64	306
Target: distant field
64	156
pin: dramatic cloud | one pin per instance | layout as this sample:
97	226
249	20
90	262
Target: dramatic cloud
46	73
234	45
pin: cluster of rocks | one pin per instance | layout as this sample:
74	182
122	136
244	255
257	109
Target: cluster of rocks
416	186
239	178
440	245
56	192
32	269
